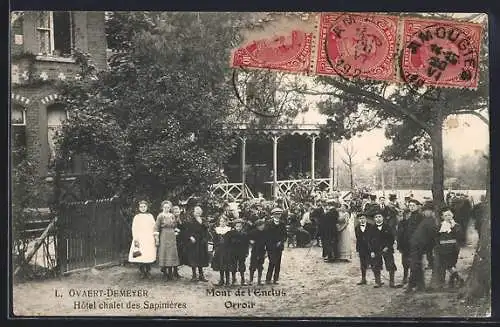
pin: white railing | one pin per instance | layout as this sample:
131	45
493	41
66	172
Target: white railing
231	191
285	187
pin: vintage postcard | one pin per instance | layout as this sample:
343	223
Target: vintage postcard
250	164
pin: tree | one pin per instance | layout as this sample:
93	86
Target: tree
348	160
154	125
413	120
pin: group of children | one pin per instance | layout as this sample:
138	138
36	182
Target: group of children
173	240
417	233
231	248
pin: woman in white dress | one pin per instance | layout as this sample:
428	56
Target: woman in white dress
143	247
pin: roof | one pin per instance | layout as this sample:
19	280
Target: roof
283	129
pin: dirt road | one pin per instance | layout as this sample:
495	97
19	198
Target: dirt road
308	288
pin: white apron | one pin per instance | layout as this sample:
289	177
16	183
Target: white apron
143	229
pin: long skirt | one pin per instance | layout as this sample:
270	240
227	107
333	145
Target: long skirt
167	251
344	244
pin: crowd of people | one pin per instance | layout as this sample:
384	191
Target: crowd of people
183	236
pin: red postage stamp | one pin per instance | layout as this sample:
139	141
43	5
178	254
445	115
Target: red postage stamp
290	53
357	45
440	53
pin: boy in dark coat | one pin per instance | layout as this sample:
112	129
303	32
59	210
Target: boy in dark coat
382	250
275	239
238	246
363	233
257	239
403	247
406	229
421	240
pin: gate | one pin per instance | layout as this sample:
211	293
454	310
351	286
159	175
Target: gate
90	233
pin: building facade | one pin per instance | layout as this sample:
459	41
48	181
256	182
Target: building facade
42	48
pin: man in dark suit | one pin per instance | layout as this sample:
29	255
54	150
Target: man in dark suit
276	236
421	240
406	229
328	232
382	250
371	207
363	234
316	216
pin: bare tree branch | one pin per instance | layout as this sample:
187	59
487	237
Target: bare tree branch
474	113
368	97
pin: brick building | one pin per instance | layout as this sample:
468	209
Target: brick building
41	53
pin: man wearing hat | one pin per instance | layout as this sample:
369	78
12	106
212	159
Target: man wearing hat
420	240
238	247
363	232
275	239
372	207
382	249
257	237
392	210
406	228
328	231
316	216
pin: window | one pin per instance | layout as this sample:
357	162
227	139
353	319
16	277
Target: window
56	114
18	133
55	33
18	115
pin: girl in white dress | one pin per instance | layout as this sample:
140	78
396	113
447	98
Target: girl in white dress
143	247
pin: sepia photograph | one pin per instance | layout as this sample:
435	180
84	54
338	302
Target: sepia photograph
249	164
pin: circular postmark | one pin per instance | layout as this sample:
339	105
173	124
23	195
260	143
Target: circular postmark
362	45
437	55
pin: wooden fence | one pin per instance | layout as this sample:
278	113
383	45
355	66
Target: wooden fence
90	233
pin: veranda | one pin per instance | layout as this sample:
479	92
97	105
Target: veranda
280	188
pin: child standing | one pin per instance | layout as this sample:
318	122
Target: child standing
238	243
143	247
449	236
363	234
382	250
221	260
166	239
258	241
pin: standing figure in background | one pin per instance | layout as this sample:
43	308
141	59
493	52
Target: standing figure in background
166	240
143	247
344	231
179	227
328	233
196	240
316	218
371	208
276	238
392	213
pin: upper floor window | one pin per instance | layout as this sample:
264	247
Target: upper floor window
55	33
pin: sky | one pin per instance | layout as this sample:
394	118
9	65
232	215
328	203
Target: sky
471	135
